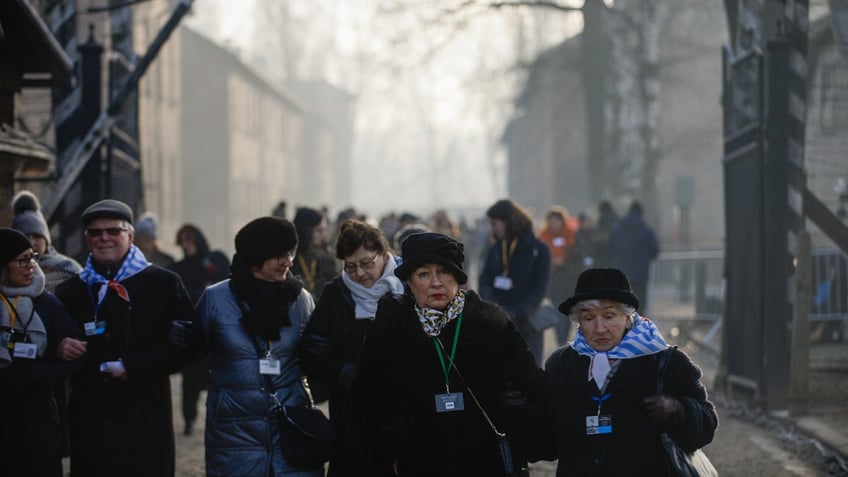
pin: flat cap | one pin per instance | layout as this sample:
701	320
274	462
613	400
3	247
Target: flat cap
107	209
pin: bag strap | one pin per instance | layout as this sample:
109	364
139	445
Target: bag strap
474	397
662	364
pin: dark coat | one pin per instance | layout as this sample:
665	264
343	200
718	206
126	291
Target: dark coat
633	448
329	353
316	268
29	433
632	246
124	427
529	269
391	401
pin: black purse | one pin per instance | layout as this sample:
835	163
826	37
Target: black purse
680	463
306	435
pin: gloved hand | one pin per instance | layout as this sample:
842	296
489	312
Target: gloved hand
662	409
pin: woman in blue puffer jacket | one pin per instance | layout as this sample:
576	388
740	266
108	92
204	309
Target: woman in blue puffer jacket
259	312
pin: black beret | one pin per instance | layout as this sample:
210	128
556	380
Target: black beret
264	238
12	244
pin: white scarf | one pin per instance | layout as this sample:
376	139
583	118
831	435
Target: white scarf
21	298
641	340
366	298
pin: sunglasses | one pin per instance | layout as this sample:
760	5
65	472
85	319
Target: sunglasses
111	231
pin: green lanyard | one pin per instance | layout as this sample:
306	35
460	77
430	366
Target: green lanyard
440	354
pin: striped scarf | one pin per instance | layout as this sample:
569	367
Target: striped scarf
134	263
641	340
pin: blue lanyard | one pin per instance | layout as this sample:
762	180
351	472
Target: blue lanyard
97	304
600	400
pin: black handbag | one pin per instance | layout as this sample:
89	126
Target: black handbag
680	463
306	435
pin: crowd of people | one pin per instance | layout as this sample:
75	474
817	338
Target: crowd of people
427	370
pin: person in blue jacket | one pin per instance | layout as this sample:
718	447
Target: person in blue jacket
251	325
517	268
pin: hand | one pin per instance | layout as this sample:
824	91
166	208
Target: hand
70	348
662	409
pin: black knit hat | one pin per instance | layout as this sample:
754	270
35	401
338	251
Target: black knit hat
12	244
264	238
307	218
431	247
107	209
601	284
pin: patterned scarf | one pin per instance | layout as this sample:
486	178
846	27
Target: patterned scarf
133	263
21	298
641	340
366	299
433	321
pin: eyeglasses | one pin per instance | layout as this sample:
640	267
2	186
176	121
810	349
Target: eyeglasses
110	231
24	261
365	265
286	256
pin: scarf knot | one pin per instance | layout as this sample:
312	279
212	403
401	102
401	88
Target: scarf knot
134	262
433	321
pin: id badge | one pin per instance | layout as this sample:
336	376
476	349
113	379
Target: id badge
94	328
559	242
25	350
596	425
503	283
450	402
269	366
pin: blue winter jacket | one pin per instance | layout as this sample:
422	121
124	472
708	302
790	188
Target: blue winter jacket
241	437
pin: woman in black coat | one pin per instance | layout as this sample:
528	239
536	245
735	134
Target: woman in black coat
32	322
333	337
430	357
605	413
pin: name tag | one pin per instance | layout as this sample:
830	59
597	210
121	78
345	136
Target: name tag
25	350
503	283
596	425
270	366
450	402
559	242
94	328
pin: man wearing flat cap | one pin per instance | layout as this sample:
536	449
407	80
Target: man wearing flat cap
120	407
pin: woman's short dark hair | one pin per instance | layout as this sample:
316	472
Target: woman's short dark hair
515	218
354	234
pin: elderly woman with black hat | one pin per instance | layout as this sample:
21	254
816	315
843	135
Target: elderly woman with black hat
333	338
32	322
443	374
252	325
604	410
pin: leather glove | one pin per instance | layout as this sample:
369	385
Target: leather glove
662	409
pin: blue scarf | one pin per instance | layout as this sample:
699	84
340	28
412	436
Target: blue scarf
641	340
134	263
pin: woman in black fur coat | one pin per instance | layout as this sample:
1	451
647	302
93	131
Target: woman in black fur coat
437	364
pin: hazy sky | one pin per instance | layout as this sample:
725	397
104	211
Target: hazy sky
433	89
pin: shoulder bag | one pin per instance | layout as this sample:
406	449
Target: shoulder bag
545	316
680	463
504	449
306	435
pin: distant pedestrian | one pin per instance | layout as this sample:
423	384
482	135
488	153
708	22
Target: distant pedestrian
633	245
313	264
557	233
147	240
515	273
28	219
199	268
607	217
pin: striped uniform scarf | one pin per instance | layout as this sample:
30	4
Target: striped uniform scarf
134	263
643	339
